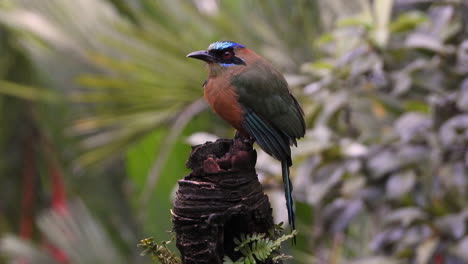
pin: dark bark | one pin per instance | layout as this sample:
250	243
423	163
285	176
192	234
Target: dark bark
218	201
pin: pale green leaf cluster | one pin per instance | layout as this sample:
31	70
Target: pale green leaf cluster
258	247
158	252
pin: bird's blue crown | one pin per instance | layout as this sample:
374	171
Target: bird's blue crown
220	45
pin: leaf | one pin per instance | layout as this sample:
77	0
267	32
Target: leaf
228	260
303	179
341	212
383	162
246	239
325	38
462	57
354	22
454	131
258	247
425	250
74	232
28	92
386	161
402	82
353	186
453	225
413	127
417	106
407	21
461	249
334	102
140	158
78	235
159	252
17	248
441	19
353	149
400	184
315	141
324	180
405	216
387	237
462	98
376	260
364	64
382	13
319	68
412	237
295	80
427	42
314	87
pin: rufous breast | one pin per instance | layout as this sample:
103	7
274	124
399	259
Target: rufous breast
222	98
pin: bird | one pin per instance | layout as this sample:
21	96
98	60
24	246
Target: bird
245	90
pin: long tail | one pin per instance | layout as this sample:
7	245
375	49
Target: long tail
288	195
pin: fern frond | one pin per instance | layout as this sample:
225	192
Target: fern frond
258	247
228	260
246	239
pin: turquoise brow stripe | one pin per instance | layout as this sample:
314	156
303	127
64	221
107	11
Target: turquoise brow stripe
224	45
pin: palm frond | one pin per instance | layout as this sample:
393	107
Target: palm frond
74	232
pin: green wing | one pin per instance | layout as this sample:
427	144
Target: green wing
270	139
265	91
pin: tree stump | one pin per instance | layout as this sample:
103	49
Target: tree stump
220	199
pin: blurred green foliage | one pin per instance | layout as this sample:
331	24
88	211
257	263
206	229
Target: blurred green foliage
101	91
385	167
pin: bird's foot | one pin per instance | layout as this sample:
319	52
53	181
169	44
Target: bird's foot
246	139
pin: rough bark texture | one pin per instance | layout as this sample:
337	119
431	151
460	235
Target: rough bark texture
218	201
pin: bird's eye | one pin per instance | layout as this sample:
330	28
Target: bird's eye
227	54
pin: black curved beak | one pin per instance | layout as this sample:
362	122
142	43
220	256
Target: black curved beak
201	55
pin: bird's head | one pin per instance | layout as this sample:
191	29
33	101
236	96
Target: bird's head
220	54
